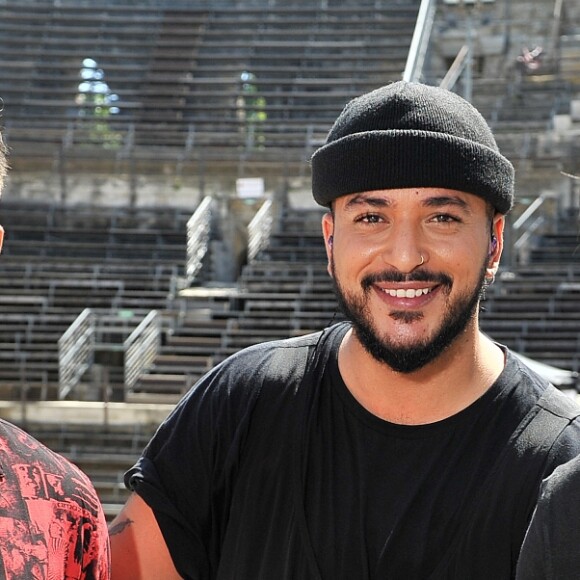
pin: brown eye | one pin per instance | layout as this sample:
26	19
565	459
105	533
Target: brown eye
370	218
445	218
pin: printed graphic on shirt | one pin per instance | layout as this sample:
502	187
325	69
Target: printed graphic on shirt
50	524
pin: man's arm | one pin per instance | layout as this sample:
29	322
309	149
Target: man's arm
138	550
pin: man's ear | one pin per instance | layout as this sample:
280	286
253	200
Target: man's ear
1	237
496	244
327	232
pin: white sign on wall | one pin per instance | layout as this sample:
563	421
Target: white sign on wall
250	187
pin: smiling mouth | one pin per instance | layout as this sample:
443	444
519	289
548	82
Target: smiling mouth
406	293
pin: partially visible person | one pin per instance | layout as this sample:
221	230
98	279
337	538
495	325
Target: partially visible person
551	548
52	525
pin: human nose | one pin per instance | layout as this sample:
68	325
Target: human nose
404	250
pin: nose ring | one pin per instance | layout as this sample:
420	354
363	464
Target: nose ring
422	260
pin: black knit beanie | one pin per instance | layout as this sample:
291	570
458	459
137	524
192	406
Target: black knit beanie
411	135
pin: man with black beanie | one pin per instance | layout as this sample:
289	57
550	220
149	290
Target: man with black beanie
404	444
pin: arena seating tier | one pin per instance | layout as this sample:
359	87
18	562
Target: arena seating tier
198	82
59	260
285	292
104	452
534	307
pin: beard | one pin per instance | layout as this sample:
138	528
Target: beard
409	358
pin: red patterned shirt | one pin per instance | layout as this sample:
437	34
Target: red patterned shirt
52	526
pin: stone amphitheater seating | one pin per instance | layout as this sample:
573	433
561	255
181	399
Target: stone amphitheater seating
50	272
285	292
535	308
104	452
521	111
177	75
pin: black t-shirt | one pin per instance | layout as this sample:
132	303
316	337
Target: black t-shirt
384	500
261	475
551	547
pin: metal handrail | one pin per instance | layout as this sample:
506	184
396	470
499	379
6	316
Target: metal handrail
521	244
420	41
141	347
455	70
259	230
75	352
198	235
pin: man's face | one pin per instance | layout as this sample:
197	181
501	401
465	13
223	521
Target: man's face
403	312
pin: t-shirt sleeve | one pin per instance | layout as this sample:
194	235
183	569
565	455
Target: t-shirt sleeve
532	564
188	468
550	549
565	448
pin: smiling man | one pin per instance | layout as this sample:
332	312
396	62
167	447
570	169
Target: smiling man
409	266
404	444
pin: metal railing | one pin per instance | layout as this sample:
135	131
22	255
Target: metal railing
259	230
198	236
420	41
521	245
75	352
455	70
141	347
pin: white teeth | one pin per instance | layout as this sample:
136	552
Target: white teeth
409	293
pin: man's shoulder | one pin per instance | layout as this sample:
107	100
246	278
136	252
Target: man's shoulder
279	356
536	388
565	478
274	367
304	341
22	448
548	420
51	499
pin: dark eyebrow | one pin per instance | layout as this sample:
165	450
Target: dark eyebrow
365	199
443	200
436	201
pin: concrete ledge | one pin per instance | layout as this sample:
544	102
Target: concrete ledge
80	412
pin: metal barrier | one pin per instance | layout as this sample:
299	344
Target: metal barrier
259	230
420	41
521	245
75	352
198	235
141	348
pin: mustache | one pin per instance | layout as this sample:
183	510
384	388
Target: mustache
395	276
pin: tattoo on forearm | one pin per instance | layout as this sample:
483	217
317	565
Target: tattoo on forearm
120	527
